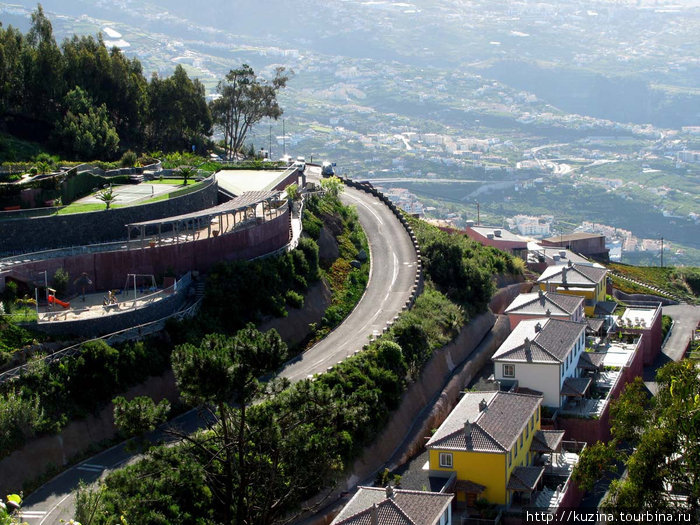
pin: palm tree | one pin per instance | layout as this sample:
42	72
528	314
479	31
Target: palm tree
107	196
186	172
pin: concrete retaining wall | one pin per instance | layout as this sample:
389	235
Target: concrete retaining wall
56	231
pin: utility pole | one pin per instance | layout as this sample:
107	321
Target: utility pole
269	148
662	252
478	214
284	140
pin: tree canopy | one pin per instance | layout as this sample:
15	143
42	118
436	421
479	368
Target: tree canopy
91	101
245	100
663	434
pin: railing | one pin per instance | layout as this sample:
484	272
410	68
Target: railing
132	332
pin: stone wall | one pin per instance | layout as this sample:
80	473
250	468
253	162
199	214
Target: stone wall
56	231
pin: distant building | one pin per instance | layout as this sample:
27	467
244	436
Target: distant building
689	156
588	244
498	238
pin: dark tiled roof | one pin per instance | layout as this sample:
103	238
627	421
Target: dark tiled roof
594	324
551	344
525	478
494	429
539	303
547	440
604	308
576	275
406	507
466	485
573	237
590	361
575	386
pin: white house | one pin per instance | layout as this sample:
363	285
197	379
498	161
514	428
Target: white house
543	355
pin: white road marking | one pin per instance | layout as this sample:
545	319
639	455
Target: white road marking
91	468
32	514
379	219
55	507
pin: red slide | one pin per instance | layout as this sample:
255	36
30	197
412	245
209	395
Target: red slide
53	299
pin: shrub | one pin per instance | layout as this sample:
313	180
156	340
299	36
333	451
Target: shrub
294	299
60	281
128	160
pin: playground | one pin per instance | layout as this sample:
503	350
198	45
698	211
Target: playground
139	291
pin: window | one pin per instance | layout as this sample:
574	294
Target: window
537	414
508	370
521	441
446	459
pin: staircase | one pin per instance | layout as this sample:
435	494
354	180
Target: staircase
199	289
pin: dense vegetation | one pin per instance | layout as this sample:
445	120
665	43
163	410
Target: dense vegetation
658	439
461	268
679	282
89	102
47	397
347	281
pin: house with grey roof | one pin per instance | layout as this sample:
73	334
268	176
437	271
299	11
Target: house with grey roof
493	447
545	355
545	304
585	281
391	506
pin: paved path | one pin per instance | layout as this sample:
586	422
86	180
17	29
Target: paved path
392	274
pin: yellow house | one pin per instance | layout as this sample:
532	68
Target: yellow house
576	279
488	443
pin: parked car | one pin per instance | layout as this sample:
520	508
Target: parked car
300	163
327	170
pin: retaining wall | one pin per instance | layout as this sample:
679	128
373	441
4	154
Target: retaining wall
113	322
108	270
56	231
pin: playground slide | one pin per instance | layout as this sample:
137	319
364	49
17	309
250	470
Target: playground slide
53	299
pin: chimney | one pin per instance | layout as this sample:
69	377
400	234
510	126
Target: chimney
549	312
563	275
540	294
526	344
562	254
538	328
570	263
374	515
390	492
483	405
467	429
497	233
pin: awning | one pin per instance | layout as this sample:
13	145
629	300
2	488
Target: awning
575	386
468	486
590	361
547	441
525	479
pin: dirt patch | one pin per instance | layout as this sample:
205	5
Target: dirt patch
295	327
327	247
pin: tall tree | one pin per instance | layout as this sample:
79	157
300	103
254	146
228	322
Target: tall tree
178	115
663	470
244	101
223	370
45	73
86	130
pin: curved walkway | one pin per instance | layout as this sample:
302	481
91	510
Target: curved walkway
393	274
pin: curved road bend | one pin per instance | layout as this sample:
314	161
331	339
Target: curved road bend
392	274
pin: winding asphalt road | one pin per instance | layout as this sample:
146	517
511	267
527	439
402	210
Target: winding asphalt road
393	266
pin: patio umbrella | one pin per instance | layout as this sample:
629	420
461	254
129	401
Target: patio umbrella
83	282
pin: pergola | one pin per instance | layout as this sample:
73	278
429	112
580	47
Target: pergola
219	220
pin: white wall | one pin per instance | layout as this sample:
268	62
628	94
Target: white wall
542	377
